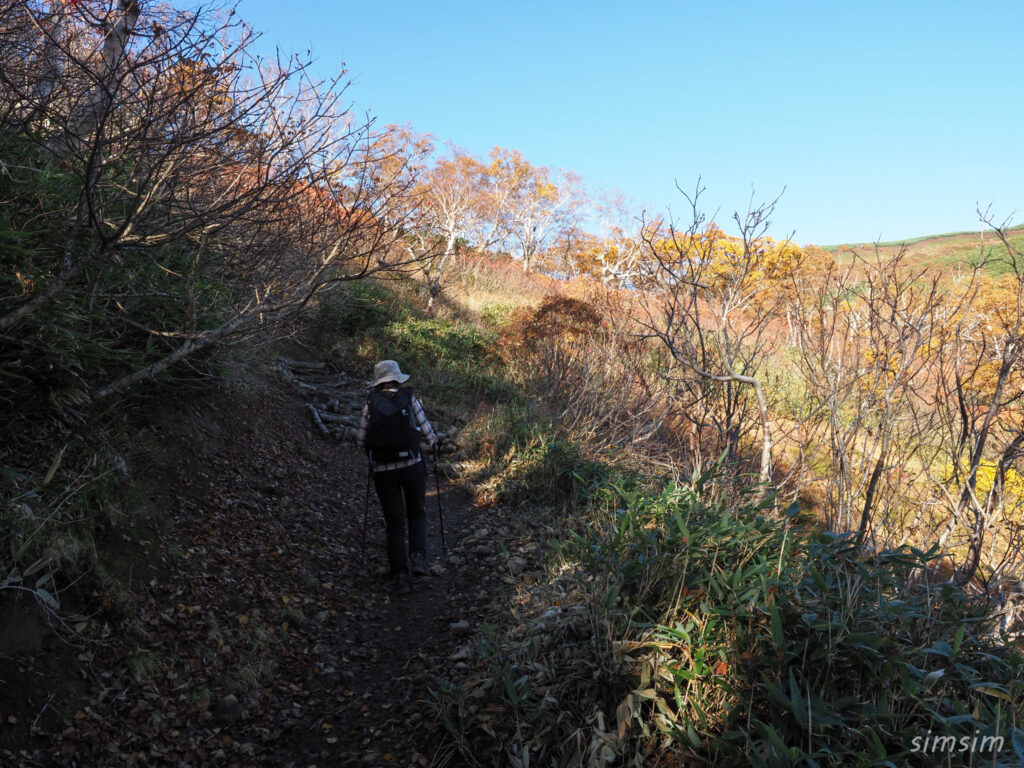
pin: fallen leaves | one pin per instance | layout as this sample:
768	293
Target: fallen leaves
261	639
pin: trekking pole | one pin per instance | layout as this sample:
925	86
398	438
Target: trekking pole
437	490
366	509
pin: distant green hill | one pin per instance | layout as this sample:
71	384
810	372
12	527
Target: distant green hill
945	251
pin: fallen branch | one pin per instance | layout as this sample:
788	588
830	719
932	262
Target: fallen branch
317	420
337	418
296	365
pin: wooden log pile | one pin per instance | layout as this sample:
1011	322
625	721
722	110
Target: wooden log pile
338	401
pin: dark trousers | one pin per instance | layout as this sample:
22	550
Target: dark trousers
392	485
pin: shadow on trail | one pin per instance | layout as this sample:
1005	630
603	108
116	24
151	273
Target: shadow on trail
259	637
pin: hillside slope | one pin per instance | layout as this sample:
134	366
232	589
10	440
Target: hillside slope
943	252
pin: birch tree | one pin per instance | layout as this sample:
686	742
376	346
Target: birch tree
543	208
456	204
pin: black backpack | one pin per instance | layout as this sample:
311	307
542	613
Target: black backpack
392	434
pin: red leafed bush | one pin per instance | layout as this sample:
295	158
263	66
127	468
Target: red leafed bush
557	319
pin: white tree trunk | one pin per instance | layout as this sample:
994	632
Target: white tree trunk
91	113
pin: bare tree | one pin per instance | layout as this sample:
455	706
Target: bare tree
207	194
915	382
979	398
704	305
865	332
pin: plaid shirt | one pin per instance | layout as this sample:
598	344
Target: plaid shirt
421	420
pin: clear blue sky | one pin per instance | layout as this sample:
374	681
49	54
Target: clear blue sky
882	120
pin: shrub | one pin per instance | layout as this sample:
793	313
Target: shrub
356	308
681	630
500	276
452	360
52	516
343	315
497	316
526	457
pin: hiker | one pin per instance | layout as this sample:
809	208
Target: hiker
392	427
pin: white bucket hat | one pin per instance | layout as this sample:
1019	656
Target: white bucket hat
388	370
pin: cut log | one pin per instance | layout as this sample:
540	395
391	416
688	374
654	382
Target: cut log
301	365
338	405
340	402
349	420
324	431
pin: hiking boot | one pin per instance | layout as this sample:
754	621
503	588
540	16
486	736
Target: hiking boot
401	583
419	564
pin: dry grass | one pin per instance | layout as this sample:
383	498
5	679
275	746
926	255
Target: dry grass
477	283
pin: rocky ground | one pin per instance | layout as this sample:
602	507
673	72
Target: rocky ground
252	633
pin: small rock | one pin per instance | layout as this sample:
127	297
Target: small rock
454	559
481	550
460	628
517	565
322	615
228	710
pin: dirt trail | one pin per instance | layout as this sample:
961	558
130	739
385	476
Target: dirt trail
255	635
